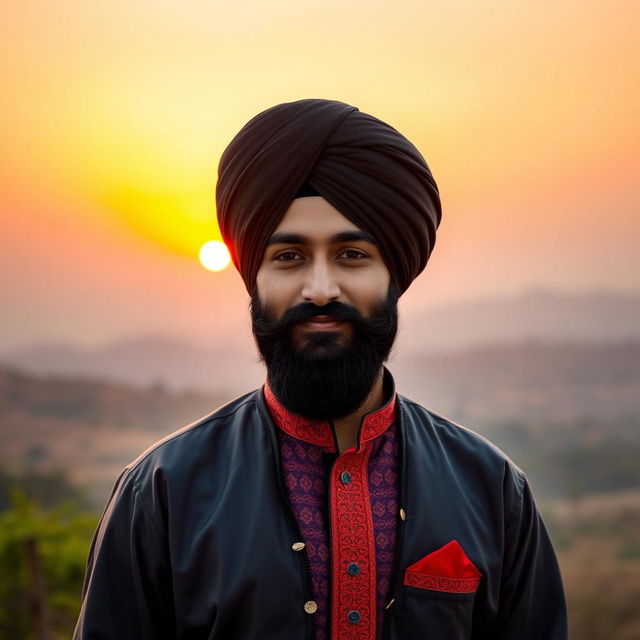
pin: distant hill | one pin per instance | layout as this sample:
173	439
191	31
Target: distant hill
97	403
542	316
540	383
166	361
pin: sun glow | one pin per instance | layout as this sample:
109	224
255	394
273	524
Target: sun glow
214	256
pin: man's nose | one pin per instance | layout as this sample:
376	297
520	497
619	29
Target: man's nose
320	285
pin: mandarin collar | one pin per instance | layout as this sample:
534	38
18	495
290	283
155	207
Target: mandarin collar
321	433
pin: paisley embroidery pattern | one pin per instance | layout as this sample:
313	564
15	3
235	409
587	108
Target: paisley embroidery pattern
383	490
298	426
304	479
436	583
353	544
376	423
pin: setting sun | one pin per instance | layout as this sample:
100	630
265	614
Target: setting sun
214	256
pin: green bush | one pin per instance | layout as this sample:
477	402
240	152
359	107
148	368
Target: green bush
42	563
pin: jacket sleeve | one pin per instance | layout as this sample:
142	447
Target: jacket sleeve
127	587
532	602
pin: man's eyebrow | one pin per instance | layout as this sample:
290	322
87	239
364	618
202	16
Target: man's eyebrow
353	236
285	237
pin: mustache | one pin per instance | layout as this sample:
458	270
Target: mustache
272	335
307	310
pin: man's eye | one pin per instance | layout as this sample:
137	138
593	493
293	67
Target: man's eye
353	254
287	256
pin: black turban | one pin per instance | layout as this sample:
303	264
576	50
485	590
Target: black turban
362	166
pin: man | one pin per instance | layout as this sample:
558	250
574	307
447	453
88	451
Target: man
324	505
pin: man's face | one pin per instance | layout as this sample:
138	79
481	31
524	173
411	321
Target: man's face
324	311
317	255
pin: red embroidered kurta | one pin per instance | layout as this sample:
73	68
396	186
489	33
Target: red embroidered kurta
346	506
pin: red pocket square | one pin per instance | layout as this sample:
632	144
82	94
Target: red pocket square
447	569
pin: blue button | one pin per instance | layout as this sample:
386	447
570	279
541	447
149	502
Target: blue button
345	477
353	569
353	617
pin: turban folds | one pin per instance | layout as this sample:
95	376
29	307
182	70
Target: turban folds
362	166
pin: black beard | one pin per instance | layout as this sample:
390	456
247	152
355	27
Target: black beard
324	378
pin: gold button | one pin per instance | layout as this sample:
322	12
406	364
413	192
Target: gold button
310	606
403	515
297	546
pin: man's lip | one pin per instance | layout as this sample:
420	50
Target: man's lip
322	323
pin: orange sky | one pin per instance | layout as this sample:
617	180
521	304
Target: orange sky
114	115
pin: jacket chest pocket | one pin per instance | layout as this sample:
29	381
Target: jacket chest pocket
435	615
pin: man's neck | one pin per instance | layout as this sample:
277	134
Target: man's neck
347	428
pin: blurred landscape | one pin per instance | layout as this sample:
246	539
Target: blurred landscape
566	410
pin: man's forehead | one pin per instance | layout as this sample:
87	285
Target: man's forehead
290	237
314	218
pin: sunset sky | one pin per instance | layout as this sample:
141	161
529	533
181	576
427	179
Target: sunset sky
114	115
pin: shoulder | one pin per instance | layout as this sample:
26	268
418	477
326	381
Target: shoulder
206	438
429	423
443	442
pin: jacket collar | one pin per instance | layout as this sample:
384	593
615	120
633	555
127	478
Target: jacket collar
321	433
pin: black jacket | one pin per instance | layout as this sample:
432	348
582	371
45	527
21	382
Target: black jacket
196	540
